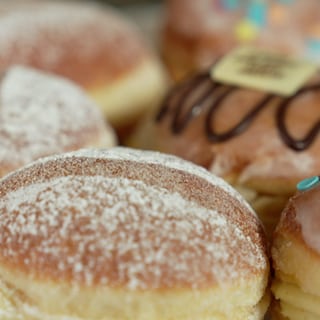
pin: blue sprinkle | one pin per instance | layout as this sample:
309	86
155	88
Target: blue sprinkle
314	45
230	4
308	183
257	13
313	49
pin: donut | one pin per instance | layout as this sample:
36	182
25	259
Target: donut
92	45
261	143
296	256
42	114
128	234
197	33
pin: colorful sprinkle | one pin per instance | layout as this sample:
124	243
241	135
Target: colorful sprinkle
314	30
308	183
278	14
257	13
313	49
246	31
230	4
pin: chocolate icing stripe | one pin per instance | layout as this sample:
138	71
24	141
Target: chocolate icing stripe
218	93
180	122
187	86
296	144
238	128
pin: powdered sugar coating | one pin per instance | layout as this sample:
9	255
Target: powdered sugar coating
125	223
42	115
128	234
122	153
86	43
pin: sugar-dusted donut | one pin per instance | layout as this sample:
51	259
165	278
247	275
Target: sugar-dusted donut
94	46
128	234
42	114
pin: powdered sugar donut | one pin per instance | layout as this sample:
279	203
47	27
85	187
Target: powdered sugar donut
92	45
41	114
84	232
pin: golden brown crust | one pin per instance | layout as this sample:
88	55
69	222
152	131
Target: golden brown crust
296	218
186	54
93	45
296	257
288	221
90	45
177	230
276	311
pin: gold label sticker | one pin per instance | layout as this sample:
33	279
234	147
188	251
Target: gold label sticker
257	69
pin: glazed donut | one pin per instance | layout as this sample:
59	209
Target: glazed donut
42	114
91	45
261	143
127	234
197	33
296	258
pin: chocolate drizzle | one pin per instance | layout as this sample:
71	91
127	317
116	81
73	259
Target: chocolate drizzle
298	145
237	129
183	111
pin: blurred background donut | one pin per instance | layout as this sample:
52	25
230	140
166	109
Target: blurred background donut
93	45
42	114
197	33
